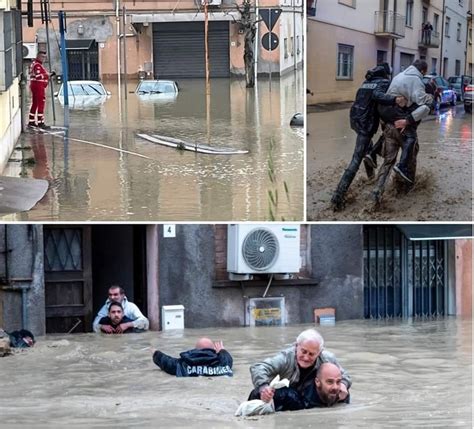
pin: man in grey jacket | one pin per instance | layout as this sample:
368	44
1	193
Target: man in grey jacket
410	85
299	364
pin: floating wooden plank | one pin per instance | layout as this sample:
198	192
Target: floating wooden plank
197	147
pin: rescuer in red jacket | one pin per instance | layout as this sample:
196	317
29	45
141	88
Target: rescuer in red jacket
39	79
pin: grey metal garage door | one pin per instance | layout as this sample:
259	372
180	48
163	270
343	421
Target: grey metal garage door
178	49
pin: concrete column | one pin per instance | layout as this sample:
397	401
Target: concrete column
463	250
152	276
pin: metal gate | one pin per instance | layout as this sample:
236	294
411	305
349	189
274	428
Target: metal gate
83	60
178	49
403	278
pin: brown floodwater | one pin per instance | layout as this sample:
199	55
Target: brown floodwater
409	374
104	171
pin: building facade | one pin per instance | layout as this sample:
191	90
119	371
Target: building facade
386	271
166	39
347	37
10	72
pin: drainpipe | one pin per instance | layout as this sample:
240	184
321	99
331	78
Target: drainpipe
441	56
257	38
117	27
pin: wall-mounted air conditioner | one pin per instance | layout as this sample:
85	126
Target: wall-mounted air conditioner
255	249
30	50
211	2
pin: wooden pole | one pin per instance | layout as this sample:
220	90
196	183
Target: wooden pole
206	45
208	87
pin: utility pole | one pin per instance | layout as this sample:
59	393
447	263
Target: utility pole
45	17
206	44
62	31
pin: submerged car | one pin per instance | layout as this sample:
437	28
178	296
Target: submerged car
83	94
157	87
468	90
458	83
443	92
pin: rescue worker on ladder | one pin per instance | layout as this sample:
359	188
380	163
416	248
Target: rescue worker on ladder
39	79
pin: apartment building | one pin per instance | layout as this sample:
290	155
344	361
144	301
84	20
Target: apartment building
347	37
10	71
166	38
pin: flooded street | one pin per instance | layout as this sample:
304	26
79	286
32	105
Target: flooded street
443	187
410	373
145	181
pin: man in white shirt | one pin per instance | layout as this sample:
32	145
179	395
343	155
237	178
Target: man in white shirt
130	310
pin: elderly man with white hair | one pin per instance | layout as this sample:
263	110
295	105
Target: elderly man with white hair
299	364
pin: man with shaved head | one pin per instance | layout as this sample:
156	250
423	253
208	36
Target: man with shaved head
325	391
299	364
207	358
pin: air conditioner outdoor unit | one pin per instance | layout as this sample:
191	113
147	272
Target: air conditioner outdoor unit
211	2
255	249
29	50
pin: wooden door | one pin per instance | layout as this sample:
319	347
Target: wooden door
68	278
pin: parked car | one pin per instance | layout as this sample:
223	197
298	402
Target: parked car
443	93
468	90
157	87
83	94
459	83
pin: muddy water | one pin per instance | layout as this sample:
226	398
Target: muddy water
97	183
443	188
405	374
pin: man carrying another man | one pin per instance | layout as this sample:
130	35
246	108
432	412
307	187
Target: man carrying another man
300	365
130	310
410	85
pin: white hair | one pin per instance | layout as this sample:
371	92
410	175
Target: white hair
311	335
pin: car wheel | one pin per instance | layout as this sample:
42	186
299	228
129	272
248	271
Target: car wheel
468	108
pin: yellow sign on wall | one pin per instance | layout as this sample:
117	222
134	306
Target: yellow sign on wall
262	314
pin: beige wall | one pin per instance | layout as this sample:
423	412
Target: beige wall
10	121
464	278
322	60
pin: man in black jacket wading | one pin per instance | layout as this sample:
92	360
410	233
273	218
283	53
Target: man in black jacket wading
207	358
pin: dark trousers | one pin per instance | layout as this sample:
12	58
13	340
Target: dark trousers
363	144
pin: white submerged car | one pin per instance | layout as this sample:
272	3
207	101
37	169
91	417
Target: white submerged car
84	94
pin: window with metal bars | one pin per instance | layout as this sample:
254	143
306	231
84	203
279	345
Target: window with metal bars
403	278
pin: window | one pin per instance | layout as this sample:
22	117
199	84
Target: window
424	15
298	45
292	50
435	22
409	14
345	60
446	26
381	57
445	66
470	36
285	44
434	65
457	66
458	32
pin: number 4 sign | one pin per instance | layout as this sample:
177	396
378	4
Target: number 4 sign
169	231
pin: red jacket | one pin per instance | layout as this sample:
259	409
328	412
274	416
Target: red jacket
38	73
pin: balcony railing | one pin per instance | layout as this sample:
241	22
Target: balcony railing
428	39
389	24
